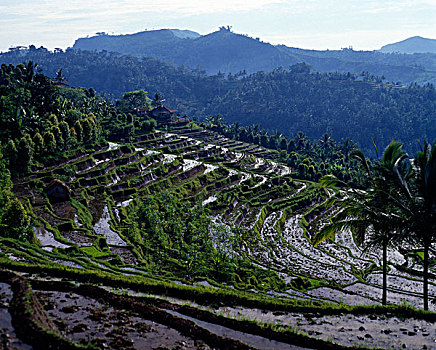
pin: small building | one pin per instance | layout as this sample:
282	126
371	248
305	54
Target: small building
163	114
141	111
57	191
61	84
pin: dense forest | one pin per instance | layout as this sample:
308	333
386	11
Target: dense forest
43	121
342	105
291	100
112	74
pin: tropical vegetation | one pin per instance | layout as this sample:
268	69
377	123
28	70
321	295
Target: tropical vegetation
203	213
398	205
291	99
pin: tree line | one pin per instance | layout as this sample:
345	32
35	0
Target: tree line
311	159
288	99
43	121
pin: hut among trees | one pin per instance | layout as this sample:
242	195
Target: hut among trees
57	191
163	114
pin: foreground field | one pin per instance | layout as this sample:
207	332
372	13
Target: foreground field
88	280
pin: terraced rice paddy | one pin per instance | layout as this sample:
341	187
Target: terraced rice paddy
84	241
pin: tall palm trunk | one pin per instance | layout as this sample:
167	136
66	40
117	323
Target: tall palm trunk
385	267
426	249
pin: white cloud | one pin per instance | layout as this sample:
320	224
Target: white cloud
64	8
425	2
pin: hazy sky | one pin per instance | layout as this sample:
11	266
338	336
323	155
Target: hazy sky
317	24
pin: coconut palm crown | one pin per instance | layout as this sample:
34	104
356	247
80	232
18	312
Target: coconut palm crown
375	210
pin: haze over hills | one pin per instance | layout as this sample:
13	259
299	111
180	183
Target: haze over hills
218	51
185	34
225	51
352	100
411	45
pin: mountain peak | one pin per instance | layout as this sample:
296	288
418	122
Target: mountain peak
415	44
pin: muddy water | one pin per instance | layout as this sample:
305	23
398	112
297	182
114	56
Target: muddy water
210	168
112	146
350	330
103	228
209	200
124	203
8	338
250	339
169	158
370	331
47	239
83	319
188	164
340	297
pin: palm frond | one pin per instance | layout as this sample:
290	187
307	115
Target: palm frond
375	147
331	229
329	181
360	157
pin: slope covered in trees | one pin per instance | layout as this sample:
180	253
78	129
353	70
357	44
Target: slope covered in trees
227	51
343	105
219	51
290	100
43	121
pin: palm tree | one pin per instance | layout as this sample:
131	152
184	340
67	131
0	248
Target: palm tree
422	221
326	142
30	69
60	77
157	100
346	146
377	207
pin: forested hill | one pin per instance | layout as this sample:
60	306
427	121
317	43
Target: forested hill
342	105
397	67
222	51
290	100
227	51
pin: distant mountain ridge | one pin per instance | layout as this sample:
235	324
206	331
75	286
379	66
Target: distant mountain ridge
128	43
411	45
227	52
222	51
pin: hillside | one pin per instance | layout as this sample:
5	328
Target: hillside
142	43
394	67
412	45
222	51
136	267
225	51
343	105
360	107
118	231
